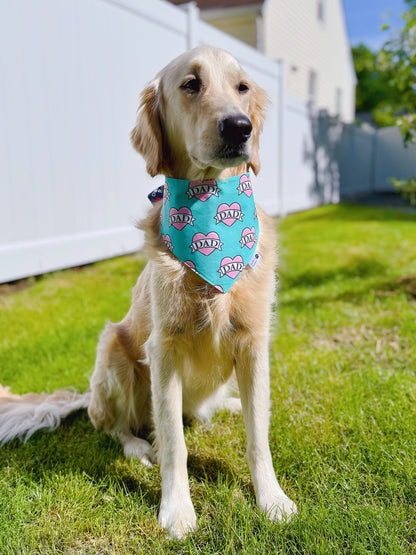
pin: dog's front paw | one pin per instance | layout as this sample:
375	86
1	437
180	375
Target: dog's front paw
279	508
177	518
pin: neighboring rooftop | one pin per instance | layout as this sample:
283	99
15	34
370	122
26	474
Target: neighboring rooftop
215	4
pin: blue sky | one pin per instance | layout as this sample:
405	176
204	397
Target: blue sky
364	19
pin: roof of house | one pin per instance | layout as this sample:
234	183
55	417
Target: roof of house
215	4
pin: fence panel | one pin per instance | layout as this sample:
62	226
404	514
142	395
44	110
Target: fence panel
298	158
71	185
392	159
355	156
310	162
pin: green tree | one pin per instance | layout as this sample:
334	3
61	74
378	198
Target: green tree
397	58
374	83
387	79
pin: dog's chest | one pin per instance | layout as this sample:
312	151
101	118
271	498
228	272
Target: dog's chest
203	336
207	363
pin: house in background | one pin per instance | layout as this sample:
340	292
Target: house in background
310	36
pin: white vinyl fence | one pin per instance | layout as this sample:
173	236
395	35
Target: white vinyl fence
326	161
71	186
368	159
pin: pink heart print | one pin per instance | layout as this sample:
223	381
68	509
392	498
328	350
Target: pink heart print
191	265
230	218
237	260
168	241
245	186
251	240
179	225
206	188
204	239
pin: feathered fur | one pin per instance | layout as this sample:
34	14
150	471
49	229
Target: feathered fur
22	416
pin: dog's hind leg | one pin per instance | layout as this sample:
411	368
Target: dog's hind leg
135	447
219	400
120	396
232	404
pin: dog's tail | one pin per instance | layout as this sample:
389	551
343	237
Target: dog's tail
23	415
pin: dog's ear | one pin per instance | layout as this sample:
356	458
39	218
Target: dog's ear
147	137
257	111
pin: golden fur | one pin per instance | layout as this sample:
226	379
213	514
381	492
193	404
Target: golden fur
177	348
182	342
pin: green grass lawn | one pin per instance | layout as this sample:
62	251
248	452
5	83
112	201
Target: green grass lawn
343	420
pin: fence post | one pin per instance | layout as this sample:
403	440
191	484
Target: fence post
192	11
373	161
281	111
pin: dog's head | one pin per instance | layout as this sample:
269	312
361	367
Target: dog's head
202	113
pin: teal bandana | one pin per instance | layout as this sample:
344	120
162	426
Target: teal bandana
211	226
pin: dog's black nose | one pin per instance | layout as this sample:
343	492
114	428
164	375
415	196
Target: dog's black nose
235	130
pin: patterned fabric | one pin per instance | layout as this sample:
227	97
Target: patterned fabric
211	226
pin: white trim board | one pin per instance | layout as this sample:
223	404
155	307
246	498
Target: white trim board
19	260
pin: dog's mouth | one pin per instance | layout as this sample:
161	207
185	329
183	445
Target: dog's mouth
230	152
227	156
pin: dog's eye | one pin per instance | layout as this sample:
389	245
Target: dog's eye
242	88
192	85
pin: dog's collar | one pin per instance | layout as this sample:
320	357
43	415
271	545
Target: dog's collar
211	226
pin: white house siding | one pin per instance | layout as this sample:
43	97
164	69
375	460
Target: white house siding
242	27
293	33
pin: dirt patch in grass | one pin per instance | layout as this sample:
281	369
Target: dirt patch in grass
14	286
408	283
404	283
377	340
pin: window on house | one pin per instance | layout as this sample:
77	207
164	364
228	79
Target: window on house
321	10
338	101
259	33
312	86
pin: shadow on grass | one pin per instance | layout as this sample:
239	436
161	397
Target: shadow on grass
206	468
358	267
76	447
379	288
350	212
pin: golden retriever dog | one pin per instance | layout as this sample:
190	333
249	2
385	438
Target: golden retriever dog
182	343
